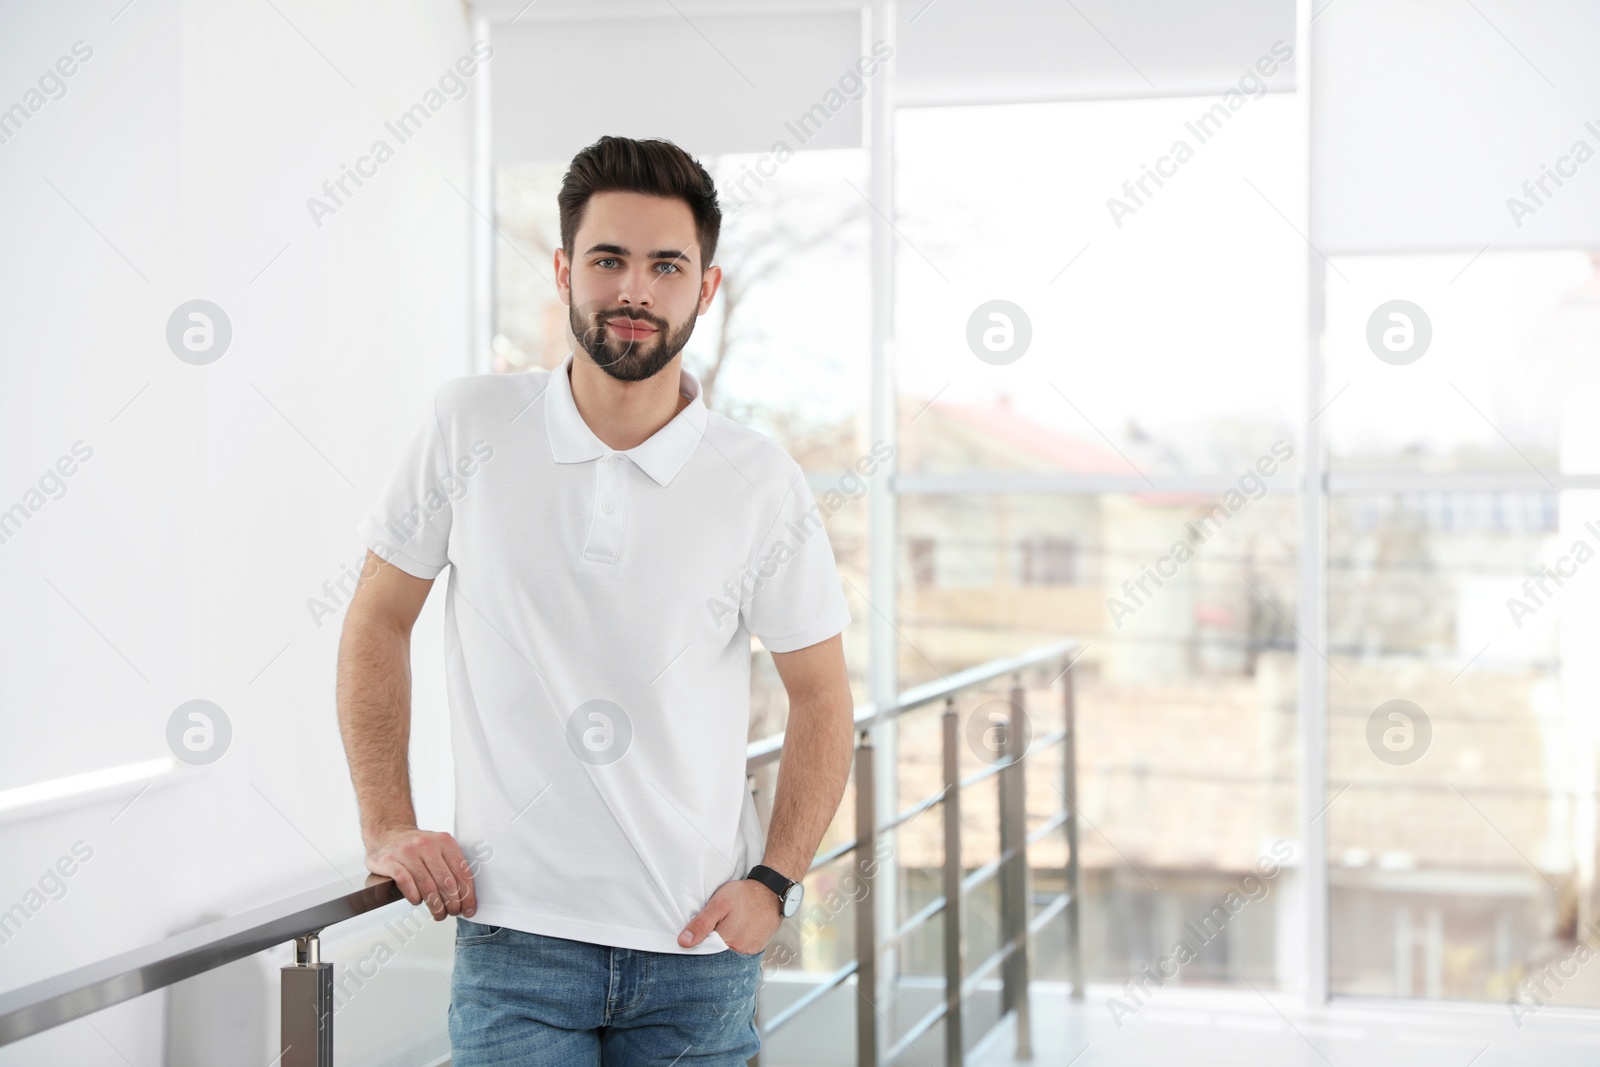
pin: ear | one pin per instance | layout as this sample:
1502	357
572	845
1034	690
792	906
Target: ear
563	271
710	282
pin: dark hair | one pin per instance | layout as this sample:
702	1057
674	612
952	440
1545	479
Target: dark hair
654	167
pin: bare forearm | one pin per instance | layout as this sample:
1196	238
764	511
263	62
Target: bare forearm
817	749
374	702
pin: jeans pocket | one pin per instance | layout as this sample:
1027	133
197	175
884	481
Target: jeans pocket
471	933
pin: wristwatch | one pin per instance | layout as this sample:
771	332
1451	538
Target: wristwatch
789	891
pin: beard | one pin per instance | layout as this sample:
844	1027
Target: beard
628	359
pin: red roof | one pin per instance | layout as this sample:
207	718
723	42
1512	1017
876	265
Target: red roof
1066	451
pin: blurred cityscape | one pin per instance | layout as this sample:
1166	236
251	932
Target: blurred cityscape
1454	876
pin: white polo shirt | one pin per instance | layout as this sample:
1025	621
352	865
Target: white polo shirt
597	639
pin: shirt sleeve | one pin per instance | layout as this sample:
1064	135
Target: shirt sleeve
797	599
409	525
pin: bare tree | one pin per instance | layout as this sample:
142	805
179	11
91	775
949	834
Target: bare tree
766	235
761	238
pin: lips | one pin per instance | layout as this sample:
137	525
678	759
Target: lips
630	328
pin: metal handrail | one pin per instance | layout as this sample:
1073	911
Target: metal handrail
929	692
53	1001
1011	868
812	996
50	1002
767	749
972	880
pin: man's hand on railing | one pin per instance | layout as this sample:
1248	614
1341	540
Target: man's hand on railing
427	866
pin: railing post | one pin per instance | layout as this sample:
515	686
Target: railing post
305	1025
1001	754
866	926
954	945
756	1060
1069	786
1014	909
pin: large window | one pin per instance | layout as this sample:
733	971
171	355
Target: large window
1462	622
1102	423
1156	414
1159	341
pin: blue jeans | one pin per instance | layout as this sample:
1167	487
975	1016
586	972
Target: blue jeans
531	1000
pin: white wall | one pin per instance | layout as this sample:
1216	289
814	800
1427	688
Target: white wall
179	561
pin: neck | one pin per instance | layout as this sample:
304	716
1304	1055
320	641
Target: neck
626	414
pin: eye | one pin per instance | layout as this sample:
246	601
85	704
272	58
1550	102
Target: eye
674	266
607	259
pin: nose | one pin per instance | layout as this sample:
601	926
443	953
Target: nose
635	290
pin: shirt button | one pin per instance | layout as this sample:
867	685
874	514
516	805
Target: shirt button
615	460
606	508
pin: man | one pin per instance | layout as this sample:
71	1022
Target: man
613	545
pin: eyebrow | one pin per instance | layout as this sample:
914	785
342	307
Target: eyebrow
618	250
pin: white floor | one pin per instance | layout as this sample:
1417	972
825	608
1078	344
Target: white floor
1204	1027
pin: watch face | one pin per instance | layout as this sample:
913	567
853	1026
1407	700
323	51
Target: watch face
791	899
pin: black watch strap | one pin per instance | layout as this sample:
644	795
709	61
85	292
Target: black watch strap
771	879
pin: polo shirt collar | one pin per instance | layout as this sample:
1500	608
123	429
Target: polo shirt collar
661	456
